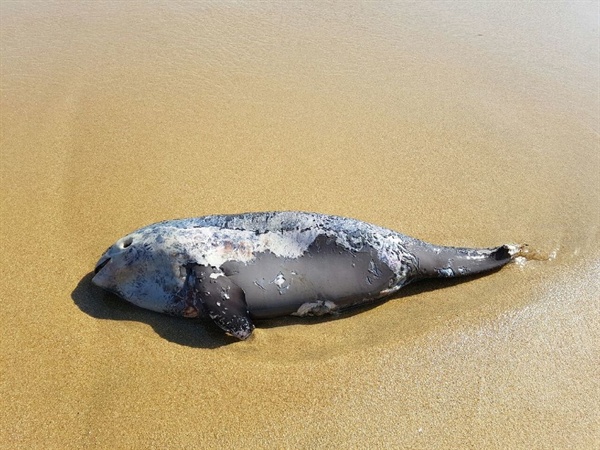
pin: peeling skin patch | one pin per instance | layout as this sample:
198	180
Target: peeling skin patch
315	309
446	272
260	284
281	283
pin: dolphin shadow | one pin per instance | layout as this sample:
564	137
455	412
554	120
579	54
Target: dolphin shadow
202	333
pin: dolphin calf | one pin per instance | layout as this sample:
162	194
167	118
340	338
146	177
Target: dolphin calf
236	268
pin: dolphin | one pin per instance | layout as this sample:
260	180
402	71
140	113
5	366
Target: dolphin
236	268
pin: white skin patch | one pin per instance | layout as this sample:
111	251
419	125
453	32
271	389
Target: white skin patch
213	246
207	241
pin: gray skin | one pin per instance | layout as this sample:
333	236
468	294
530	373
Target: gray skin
235	268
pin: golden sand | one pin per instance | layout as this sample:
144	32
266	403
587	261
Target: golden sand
461	123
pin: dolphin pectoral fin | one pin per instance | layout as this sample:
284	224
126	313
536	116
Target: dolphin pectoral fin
225	302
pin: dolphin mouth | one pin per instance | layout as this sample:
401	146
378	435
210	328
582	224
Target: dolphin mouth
101	264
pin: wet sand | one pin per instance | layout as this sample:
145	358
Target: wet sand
461	123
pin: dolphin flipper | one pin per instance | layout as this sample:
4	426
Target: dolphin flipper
224	301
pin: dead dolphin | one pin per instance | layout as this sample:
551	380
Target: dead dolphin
234	268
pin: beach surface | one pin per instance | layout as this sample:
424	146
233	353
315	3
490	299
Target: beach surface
460	123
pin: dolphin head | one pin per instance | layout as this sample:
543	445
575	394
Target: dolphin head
140	269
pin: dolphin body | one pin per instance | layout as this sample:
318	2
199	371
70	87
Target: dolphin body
235	268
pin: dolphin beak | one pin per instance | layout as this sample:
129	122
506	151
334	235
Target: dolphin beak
101	264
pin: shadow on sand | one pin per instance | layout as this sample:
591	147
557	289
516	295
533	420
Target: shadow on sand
201	333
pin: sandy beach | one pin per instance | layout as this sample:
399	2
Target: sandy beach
460	123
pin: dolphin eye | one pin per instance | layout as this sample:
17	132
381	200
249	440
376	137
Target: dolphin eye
126	242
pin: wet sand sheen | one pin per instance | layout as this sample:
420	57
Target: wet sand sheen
462	124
